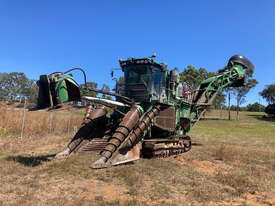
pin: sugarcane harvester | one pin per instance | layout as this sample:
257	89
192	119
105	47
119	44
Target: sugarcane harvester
151	115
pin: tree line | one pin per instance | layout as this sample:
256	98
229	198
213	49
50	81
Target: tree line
269	95
194	76
16	85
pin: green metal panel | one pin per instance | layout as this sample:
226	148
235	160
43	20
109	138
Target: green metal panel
56	89
61	88
44	95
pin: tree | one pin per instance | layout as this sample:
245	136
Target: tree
228	91
32	91
269	93
193	77
233	108
241	92
270	109
119	88
256	107
85	92
2	75
4	92
219	101
105	88
14	85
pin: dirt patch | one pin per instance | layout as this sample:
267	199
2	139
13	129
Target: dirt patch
109	192
247	200
205	167
254	200
85	189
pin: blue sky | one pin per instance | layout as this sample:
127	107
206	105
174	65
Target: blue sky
40	37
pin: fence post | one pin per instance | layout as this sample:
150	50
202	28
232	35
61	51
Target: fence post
51	122
75	129
69	123
23	119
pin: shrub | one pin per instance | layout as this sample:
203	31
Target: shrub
270	109
256	107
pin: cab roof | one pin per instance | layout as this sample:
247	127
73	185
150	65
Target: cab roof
142	61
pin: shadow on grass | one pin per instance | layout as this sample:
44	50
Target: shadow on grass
262	117
31	161
196	144
203	119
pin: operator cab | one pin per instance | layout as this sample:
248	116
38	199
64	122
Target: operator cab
144	79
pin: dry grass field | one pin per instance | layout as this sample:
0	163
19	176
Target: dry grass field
231	163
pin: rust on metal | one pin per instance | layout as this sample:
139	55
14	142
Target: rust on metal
127	154
93	145
93	119
88	112
164	147
96	143
166	119
144	124
130	150
124	128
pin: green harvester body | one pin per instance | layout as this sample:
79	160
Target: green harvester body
151	114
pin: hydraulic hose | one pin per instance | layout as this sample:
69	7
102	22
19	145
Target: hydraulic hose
84	74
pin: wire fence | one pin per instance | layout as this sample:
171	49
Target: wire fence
23	123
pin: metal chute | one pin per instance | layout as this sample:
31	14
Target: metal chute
56	89
240	59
